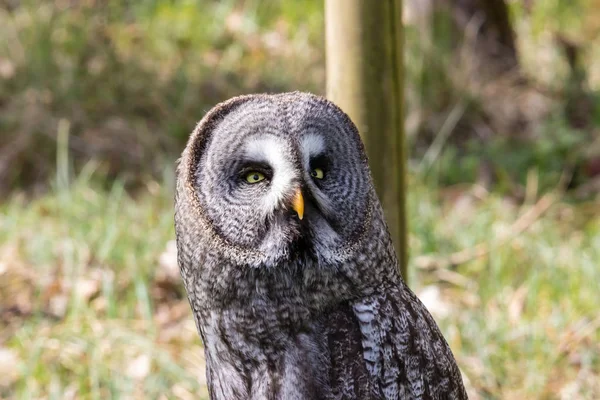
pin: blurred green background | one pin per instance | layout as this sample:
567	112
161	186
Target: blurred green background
97	99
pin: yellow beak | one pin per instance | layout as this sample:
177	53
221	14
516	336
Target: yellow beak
298	203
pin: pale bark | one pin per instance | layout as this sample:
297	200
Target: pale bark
365	78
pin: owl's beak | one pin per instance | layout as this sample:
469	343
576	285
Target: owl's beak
298	203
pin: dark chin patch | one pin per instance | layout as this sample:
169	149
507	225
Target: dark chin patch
302	250
297	239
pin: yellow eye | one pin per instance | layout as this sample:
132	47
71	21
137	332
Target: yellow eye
317	173
254	177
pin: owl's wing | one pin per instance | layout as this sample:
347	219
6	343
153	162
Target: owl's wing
349	376
404	355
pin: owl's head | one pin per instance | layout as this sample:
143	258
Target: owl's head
278	177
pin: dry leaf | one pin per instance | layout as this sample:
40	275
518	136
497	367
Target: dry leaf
516	305
7	68
169	269
139	368
432	298
87	288
57	305
8	370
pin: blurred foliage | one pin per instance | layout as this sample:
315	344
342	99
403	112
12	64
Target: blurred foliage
134	78
466	123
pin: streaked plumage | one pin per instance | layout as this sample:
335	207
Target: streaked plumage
291	308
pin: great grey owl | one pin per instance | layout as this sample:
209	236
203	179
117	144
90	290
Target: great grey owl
288	263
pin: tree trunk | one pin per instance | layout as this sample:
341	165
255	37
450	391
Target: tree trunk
365	78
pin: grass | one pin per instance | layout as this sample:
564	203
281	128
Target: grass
92	306
523	320
82	297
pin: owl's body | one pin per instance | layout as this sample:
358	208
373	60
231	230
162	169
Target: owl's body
288	263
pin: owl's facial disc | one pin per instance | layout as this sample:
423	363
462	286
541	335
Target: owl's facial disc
292	175
284	186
